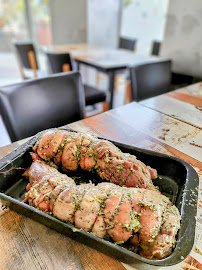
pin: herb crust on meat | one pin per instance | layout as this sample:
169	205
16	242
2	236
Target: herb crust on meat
142	219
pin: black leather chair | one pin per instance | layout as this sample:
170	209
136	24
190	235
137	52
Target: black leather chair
177	80
27	60
58	62
38	104
124	43
156	46
149	80
180	80
128	44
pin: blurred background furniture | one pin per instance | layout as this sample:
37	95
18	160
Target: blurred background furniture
38	104
180	80
59	62
177	80
156	45
63	62
148	80
134	126
126	43
106	60
27	60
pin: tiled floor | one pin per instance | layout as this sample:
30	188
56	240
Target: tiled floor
9	74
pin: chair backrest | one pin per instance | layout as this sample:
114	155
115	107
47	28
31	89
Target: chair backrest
151	79
22	50
35	105
156	46
57	62
125	43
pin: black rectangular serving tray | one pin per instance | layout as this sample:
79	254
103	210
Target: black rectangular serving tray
177	180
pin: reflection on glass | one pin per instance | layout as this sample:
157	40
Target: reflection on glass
12	23
41	29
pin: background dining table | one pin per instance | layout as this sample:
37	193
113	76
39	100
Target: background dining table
106	60
169	124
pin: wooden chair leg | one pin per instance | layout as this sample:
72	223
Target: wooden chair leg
65	67
97	79
105	106
116	83
32	62
85	113
128	95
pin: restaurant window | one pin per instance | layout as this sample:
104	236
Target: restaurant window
40	17
143	20
13	25
22	20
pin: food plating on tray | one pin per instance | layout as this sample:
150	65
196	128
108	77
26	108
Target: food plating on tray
142	217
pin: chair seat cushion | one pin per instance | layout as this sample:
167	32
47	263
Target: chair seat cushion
93	95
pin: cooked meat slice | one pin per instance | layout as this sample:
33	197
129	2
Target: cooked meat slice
112	205
71	155
39	169
48	145
86	215
151	216
122	231
43	179
102	223
153	172
38	195
151	220
121	168
77	149
144	217
55	193
105	148
79	194
99	227
150	225
58	155
87	157
165	241
137	196
64	206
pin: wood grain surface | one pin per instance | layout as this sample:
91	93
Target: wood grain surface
26	244
184	104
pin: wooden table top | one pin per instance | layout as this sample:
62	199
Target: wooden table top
30	245
184	104
105	59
